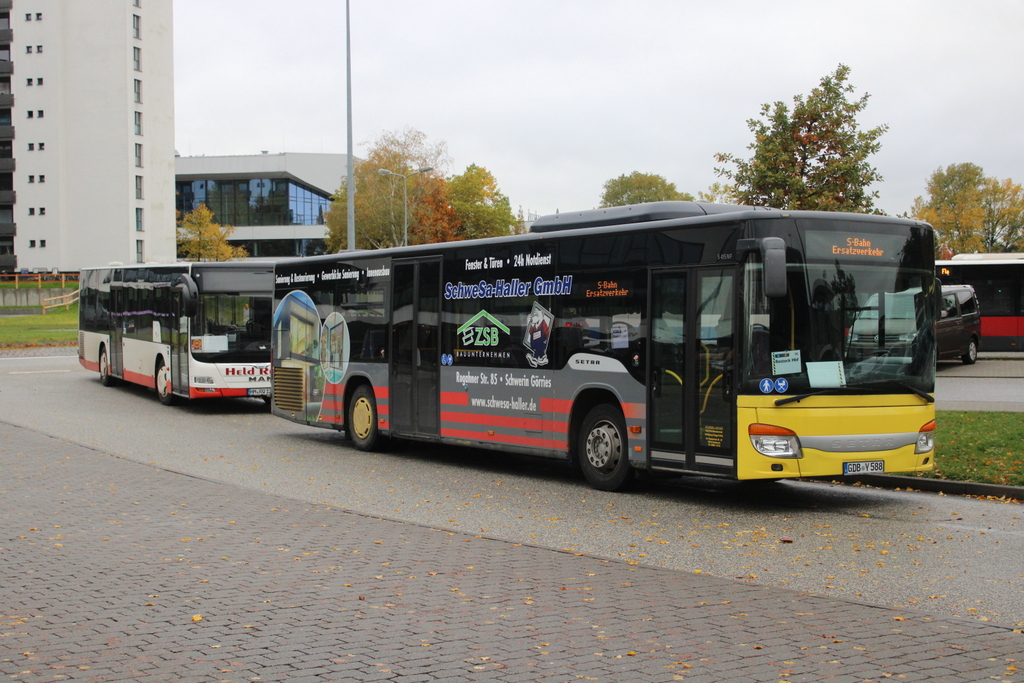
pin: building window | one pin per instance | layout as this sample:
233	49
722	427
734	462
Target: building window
5	20
28	49
31	244
6	149
29	81
138	91
137	3
137	58
28	17
138	123
138	187
5	117
42	178
39	48
42	146
31	146
42	210
138	220
5	53
42	244
31	178
30	113
136	26
31	211
6	246
39	16
5	86
138	155
140	252
39	113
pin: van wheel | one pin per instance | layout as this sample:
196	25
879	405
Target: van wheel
603	449
971	356
106	379
362	419
163	383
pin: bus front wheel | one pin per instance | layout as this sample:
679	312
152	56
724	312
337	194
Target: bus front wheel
163	383
603	449
106	379
362	419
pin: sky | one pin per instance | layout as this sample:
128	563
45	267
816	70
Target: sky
556	97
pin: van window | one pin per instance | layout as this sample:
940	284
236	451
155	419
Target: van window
968	304
949	306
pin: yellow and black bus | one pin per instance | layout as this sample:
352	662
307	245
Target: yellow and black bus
682	337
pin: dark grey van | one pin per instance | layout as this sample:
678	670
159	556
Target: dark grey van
958	329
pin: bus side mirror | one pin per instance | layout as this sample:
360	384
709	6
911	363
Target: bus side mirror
189	294
773	256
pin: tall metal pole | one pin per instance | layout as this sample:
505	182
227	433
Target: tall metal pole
405	212
350	183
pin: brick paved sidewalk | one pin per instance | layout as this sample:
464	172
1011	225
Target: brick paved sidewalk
111	570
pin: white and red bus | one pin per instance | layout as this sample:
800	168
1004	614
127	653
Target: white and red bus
190	330
998	280
675	336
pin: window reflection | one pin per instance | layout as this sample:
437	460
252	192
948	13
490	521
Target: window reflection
257	201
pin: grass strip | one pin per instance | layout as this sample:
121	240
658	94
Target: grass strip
57	326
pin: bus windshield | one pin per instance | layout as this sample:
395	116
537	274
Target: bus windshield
859	314
231	328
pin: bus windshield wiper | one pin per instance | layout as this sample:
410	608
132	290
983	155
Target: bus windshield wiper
851	388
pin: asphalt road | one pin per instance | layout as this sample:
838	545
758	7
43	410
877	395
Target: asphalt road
929	552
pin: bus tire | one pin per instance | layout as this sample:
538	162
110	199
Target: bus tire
604	449
362	419
106	379
163	383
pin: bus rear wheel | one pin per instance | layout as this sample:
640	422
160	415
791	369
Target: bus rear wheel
163	383
106	379
362	419
603	449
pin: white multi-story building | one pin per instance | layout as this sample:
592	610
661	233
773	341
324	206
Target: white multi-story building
86	133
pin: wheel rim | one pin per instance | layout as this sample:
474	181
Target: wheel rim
163	381
103	365
972	351
362	418
604	446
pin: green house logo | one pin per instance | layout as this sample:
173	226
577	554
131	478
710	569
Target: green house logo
481	330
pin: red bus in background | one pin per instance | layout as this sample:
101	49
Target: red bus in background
998	280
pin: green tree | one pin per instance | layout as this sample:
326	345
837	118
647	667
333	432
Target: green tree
972	212
638	188
811	157
379	198
481	208
718	193
200	239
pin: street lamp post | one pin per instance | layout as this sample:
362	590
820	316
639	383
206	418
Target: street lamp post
405	196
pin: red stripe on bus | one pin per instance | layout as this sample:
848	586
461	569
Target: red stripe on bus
454	398
90	364
502	421
332	405
383	409
634	411
556	405
504	438
139	378
1000	327
334	419
380	392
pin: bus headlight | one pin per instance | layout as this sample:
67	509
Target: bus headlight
775	442
926	439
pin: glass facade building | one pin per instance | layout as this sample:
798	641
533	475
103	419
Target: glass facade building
254	201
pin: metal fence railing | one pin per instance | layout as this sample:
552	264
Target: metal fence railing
39	280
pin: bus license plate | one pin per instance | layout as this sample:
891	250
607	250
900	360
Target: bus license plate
866	467
265	391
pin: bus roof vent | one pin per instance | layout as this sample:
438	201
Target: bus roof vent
625	215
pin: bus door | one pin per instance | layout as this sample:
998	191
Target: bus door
180	340
690	382
118	321
415	317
